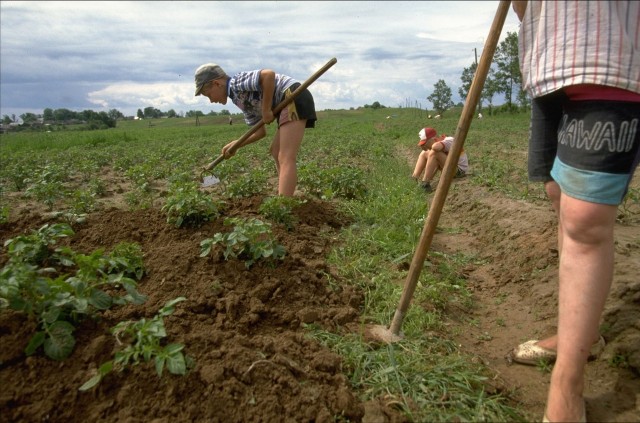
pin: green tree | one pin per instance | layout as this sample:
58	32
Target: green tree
139	114
152	112
6	120
47	115
115	114
171	113
441	97
63	115
29	118
491	88
467	80
508	74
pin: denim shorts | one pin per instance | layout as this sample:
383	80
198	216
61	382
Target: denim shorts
590	148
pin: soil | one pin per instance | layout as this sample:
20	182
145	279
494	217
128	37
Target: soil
244	328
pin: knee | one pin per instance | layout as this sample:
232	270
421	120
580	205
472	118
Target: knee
592	224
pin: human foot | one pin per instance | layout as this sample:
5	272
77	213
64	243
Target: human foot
534	351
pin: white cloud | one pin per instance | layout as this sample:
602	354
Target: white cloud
131	55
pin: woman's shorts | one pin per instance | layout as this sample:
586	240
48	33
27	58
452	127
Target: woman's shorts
302	107
590	148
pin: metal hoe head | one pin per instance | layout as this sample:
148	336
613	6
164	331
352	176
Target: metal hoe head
209	181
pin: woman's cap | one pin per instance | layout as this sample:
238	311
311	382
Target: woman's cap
205	73
425	135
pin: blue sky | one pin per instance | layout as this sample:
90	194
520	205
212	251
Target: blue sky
132	55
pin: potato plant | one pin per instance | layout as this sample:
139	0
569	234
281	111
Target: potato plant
143	342
335	182
34	282
187	206
279	209
251	240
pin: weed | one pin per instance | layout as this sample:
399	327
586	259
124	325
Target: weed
619	361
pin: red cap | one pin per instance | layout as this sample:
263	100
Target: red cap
426	134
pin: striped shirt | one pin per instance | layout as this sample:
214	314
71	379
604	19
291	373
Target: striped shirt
573	42
245	92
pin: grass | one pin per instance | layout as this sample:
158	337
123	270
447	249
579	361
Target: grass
424	375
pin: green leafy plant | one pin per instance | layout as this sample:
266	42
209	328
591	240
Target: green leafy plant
187	206
337	182
279	209
57	301
47	185
34	248
247	184
251	240
143	340
4	214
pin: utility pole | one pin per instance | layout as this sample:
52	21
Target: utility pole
479	105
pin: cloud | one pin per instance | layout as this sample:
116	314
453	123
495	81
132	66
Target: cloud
132	55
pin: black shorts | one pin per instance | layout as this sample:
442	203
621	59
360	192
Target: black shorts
591	148
301	108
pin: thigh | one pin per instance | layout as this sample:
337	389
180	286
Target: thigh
290	137
546	113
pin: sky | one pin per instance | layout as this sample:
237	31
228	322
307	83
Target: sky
131	55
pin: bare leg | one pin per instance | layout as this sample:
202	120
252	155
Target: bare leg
553	192
436	161
284	149
586	273
420	164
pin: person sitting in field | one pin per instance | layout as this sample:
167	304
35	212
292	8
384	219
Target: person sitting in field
435	149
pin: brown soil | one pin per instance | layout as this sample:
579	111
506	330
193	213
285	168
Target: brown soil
244	328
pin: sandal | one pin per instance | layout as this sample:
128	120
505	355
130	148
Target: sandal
531	353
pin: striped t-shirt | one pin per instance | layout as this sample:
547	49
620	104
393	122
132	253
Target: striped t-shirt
565	43
245	92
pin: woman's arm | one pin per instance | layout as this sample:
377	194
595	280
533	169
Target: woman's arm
268	84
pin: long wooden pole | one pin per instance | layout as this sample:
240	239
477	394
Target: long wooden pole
450	167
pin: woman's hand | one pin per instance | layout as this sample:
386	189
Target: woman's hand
267	117
226	150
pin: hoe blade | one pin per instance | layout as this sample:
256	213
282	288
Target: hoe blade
210	181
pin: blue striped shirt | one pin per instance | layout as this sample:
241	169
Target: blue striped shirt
245	92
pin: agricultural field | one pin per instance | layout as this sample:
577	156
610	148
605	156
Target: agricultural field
128	292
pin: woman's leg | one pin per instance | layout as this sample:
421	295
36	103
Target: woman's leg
421	163
436	161
586	273
284	149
